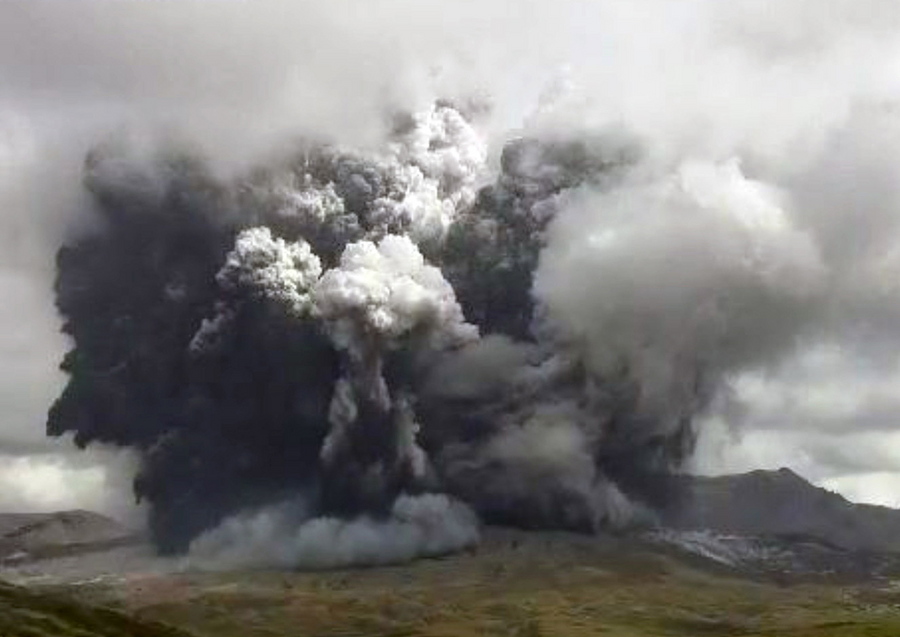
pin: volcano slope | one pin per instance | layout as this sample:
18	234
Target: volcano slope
26	537
514	583
710	572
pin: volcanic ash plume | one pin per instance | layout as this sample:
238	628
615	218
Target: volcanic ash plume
343	356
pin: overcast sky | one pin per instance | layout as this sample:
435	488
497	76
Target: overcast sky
804	93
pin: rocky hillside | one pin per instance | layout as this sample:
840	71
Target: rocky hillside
780	503
31	535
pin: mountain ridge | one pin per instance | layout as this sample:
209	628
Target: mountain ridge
779	503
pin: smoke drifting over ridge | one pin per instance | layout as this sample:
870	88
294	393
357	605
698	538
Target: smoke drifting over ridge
533	318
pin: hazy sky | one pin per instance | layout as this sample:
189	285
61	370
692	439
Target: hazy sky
804	94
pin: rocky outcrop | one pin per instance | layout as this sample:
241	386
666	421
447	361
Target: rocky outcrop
779	503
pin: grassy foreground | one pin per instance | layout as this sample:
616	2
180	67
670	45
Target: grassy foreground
525	587
24	613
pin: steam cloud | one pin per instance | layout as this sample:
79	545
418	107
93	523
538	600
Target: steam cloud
342	352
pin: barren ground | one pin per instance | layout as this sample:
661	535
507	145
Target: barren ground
515	583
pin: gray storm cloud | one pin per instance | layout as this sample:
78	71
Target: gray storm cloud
458	255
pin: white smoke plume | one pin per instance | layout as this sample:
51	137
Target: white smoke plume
379	296
282	272
386	292
676	281
283	536
266	267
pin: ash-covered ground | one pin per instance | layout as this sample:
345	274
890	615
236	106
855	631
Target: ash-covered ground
544	582
784	527
708	575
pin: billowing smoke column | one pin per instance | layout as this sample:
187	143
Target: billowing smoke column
380	298
340	345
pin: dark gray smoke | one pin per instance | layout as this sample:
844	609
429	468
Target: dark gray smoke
309	328
367	340
353	327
